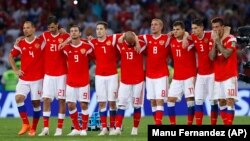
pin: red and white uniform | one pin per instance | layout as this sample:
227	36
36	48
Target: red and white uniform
106	79
32	66
156	66
184	69
204	85
226	70
55	66
132	75
78	72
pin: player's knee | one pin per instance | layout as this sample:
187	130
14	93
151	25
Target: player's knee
199	101
84	106
230	101
222	102
172	99
102	105
19	98
46	100
36	103
112	105
153	103
71	106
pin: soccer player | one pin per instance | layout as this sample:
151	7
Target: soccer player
156	68
132	81
77	88
30	75
204	86
55	75
224	55
106	78
184	73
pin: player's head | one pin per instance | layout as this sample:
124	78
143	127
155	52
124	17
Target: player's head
156	26
101	28
28	29
197	27
179	29
52	23
129	38
218	25
75	32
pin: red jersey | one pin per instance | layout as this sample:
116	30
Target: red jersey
105	55
31	58
55	59
78	64
131	63
225	68
157	55
184	60
205	65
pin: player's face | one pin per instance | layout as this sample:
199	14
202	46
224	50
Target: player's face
100	31
28	29
218	28
75	33
197	30
178	31
53	28
156	27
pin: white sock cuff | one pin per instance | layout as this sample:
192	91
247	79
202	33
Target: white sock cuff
159	108
171	104
20	104
153	109
71	112
222	107
36	109
85	112
103	109
190	103
46	114
199	102
61	116
230	108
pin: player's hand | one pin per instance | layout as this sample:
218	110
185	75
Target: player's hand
18	40
170	34
185	40
62	30
215	36
121	38
19	73
90	37
61	46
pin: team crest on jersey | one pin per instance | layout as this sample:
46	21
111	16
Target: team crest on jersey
108	43
60	40
195	41
206	40
173	45
83	50
123	48
47	40
37	45
161	42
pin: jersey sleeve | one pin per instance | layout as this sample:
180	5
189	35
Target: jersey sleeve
231	43
15	51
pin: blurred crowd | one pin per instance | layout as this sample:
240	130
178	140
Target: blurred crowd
122	15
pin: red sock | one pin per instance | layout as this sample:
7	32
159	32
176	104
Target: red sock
158	117
85	119
230	118
198	117
213	118
112	118
190	119
74	119
60	123
119	119
137	118
46	121
103	121
223	115
34	123
172	120
24	117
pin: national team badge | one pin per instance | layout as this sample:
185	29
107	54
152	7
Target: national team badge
206	40
37	45
83	51
108	43
161	42
60	40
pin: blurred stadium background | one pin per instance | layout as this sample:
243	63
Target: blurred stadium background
122	15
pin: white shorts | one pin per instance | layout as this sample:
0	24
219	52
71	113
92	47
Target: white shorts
54	87
204	87
34	87
128	93
157	88
227	88
178	87
106	88
81	94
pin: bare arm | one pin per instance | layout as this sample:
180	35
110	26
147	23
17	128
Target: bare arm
212	53
225	52
14	67
68	40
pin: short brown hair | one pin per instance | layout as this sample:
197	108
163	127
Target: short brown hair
105	24
179	23
218	20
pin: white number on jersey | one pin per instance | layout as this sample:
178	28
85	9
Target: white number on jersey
104	49
53	47
201	48
154	50
76	57
31	53
178	52
129	55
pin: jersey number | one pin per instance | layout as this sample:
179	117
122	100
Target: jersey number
201	48
76	58
178	52
31	53
104	50
53	47
129	55
154	50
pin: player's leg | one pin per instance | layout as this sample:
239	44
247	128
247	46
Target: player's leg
138	100
213	100
22	91
219	91
175	94
60	89
189	95
231	89
124	95
102	98
36	93
71	98
151	95
112	97
84	98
